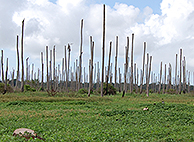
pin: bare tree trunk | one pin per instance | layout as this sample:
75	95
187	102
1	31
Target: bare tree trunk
2	71
18	63
103	51
22	57
116	62
119	80
12	83
141	85
66	81
180	72
176	75
47	68
27	69
135	77
164	84
80	57
63	75
107	77
184	75
159	89
69	51
137	81
54	77
50	75
170	79
42	71
131	88
5	89
189	82
91	66
126	67
149	76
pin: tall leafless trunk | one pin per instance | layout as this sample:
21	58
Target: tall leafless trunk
141	85
47	68
50	65
68	65
54	76
148	79
103	50
12	81
119	80
135	76
126	67
42	71
6	73
131	80
2	70
22	57
116	62
18	62
170	79
176	74
164	84
80	57
91	66
66	81
107	77
184	75
27	70
159	89
180	72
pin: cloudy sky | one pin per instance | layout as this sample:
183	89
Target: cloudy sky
166	26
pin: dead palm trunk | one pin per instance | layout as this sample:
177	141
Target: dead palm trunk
148	79
22	57
69	51
184	75
66	81
159	89
12	83
47	68
103	50
107	77
141	85
170	79
91	66
42	71
2	71
80	57
54	76
119	80
131	80
18	63
116	62
164	84
50	64
126	67
180	72
176	75
6	72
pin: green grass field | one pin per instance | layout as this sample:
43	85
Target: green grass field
109	118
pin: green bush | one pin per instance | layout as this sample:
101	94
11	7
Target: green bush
83	91
171	91
2	88
111	90
28	88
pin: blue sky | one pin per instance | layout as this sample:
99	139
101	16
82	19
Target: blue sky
141	4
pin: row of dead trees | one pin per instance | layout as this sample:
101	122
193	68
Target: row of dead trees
65	77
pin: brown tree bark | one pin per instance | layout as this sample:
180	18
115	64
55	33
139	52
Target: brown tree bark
80	57
22	57
18	62
103	51
131	80
141	85
180	72
115	85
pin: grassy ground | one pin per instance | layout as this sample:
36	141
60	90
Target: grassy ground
111	118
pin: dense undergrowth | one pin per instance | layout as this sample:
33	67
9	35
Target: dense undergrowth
108	118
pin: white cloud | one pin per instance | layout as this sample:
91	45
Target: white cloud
59	24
